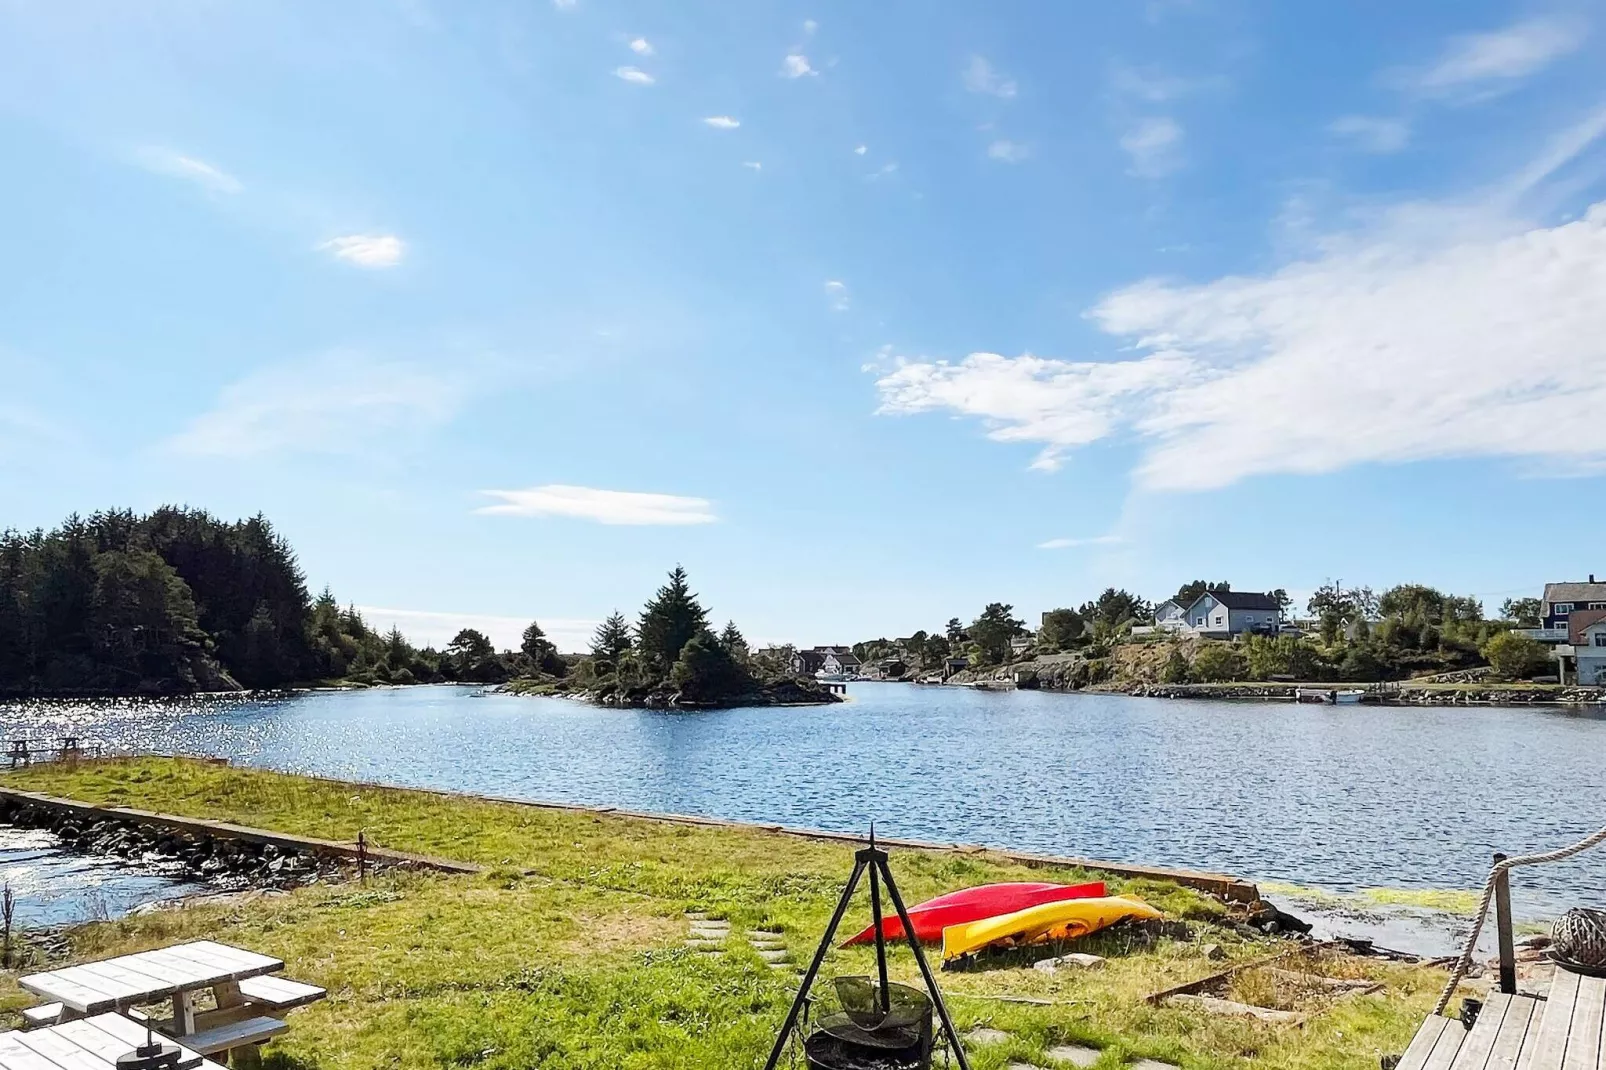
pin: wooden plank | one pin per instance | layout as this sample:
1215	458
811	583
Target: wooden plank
238	1034
250	960
142	986
14	1056
195	974
1549	1044
152	965
1583	1039
1448	1047
1422	1045
63	1052
224	962
280	993
1521	1016
1480	1040
58	989
105	981
119	1035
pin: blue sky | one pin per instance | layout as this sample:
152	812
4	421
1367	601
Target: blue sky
868	314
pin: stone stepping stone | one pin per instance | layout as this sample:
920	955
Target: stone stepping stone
765	934
985	1035
696	915
1153	1064
1022	1066
1075	1054
767	945
773	956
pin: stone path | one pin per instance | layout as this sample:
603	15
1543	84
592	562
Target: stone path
707	934
771	947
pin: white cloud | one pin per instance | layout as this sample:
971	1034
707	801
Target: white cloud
603	506
979	77
886	170
722	122
564	5
1479	64
1152	85
1153	146
367	250
633	75
1443	331
428	628
1371	134
1009	151
809	26
861	150
1065	544
796	65
177	165
753	165
334	403
837	291
641	46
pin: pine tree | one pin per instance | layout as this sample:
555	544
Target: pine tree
611	639
671	619
733	641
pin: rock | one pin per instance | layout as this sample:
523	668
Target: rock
984	1035
1076	960
1213	952
1075	1054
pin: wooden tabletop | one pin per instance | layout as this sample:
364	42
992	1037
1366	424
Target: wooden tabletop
87	1044
148	976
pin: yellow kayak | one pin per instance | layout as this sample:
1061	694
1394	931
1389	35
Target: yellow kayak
1064	920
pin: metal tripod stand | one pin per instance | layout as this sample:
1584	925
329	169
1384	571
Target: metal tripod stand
873	860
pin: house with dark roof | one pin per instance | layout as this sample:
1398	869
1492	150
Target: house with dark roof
840	664
1562	600
1224	614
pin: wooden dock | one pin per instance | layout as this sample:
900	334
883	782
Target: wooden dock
1516	1032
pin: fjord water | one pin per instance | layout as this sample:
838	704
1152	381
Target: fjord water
1331	798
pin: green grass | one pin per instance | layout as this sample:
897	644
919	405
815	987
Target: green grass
566	954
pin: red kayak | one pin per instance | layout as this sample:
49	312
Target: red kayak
973	904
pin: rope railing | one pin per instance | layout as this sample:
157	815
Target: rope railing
1502	867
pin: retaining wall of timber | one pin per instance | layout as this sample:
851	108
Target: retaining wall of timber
1224	886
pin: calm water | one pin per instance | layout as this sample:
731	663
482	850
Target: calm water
59	887
1336	798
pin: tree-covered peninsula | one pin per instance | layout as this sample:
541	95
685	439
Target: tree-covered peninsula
672	658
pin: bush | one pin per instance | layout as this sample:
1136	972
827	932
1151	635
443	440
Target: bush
1218	663
706	670
1513	656
1175	670
1361	665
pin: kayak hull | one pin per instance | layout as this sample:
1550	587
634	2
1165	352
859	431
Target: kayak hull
1064	920
973	904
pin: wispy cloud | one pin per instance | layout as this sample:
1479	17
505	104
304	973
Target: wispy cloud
796	65
641	46
1371	134
861	150
335	403
1009	151
886	170
367	250
722	122
616	507
564	5
190	168
1151	85
1066	544
979	77
837	291
633	75
1154	147
1478	65
753	165
431	628
1439	331
809	26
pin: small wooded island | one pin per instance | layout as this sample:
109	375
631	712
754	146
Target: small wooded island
178	601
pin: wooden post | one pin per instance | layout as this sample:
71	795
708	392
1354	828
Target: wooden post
1502	915
362	857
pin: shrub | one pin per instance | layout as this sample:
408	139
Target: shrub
1218	663
1175	670
1513	656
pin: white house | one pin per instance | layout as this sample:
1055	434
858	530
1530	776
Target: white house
1223	614
844	664
1170	617
1583	658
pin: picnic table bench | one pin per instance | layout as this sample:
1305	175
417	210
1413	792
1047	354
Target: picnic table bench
250	1004
93	1043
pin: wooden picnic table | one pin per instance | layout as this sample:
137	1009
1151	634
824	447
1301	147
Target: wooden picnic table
175	973
86	1044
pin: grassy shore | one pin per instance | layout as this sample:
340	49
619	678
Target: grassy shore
568	952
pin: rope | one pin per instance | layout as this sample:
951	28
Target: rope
1464	962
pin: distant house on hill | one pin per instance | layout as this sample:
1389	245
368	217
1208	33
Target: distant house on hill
807	662
1169	616
1224	614
1020	644
840	664
1562	600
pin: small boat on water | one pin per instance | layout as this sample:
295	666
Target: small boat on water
973	904
1330	696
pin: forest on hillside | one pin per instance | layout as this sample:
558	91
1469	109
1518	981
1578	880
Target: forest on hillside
178	600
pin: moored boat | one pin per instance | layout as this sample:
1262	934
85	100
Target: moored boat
1041	924
973	904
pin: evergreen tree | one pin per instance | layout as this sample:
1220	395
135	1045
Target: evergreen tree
733	641
671	619
611	639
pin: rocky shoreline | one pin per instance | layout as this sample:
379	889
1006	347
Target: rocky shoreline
790	692
207	859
